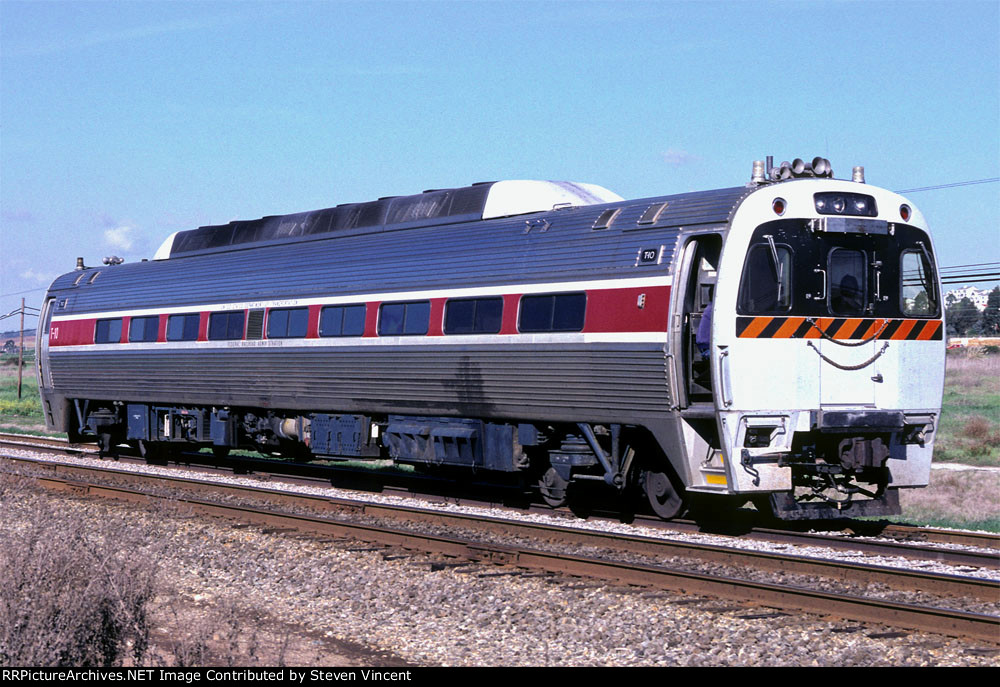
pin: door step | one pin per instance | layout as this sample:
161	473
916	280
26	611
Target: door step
713	473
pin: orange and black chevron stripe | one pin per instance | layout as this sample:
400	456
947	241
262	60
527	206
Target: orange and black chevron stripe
838	328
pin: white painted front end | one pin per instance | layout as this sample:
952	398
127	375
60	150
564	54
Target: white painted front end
783	382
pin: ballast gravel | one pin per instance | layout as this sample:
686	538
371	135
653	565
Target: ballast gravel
399	608
593	525
692	565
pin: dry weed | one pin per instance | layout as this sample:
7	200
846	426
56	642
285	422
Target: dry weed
976	427
73	593
970	368
962	498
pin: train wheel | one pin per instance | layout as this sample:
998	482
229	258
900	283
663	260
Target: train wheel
107	446
553	488
664	498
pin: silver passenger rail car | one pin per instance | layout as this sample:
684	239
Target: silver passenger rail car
780	341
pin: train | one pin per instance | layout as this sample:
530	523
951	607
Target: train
779	342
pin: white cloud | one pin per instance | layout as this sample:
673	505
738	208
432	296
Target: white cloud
119	238
679	158
32	275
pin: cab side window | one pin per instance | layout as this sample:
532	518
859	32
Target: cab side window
917	291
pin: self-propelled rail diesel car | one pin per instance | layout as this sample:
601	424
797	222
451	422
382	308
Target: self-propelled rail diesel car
777	341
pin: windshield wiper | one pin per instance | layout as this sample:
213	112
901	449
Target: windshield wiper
778	267
925	278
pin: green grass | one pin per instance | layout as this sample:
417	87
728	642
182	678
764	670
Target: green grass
29	406
20	429
948	523
969	431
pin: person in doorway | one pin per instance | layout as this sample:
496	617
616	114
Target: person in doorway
847	297
704	335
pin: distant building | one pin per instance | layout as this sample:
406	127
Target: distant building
977	296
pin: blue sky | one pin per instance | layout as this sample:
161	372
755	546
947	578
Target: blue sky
121	122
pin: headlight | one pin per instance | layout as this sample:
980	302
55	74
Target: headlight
834	203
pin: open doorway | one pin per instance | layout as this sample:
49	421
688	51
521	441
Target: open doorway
698	277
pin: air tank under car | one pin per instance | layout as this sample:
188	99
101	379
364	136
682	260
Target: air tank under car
542	332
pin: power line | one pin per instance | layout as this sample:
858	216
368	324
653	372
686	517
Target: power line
991	180
973	264
972	273
21	293
18	312
990	279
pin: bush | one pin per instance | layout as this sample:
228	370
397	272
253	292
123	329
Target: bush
976	427
72	594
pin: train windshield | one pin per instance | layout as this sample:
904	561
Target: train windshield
792	269
767	279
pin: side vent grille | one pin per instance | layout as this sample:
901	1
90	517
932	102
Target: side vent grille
255	324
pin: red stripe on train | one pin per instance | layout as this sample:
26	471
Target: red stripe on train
635	309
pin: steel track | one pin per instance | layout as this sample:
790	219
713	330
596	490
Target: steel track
911	541
136	487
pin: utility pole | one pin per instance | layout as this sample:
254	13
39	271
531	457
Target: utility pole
20	352
22	311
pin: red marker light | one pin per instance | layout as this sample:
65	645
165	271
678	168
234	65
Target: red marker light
904	212
778	205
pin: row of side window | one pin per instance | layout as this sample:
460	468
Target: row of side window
541	313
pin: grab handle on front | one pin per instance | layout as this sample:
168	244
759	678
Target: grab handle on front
822	293
724	384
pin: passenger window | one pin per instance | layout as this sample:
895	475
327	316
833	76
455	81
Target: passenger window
183	327
226	325
473	316
767	284
108	331
143	329
342	320
564	312
404	319
290	323
917	289
847	282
